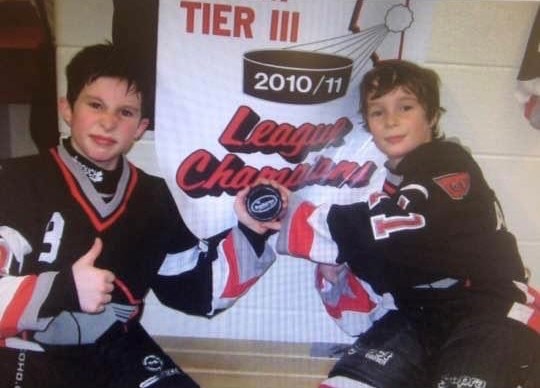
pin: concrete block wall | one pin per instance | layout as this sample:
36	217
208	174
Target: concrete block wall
476	47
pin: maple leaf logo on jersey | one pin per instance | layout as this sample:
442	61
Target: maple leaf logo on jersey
456	185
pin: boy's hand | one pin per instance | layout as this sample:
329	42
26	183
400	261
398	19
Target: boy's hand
260	227
331	272
94	285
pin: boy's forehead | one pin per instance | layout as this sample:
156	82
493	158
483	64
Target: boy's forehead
116	82
112	85
399	93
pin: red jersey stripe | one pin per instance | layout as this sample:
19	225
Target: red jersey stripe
301	235
234	288
15	309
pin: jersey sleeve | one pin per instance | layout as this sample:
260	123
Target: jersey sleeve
444	220
305	232
21	297
206	276
212	275
28	301
350	301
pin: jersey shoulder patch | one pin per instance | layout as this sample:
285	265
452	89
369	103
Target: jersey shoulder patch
456	185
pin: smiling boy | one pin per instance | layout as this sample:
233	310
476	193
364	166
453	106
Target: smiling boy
108	119
85	235
433	243
398	124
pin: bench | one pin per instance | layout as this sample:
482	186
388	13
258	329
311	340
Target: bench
226	363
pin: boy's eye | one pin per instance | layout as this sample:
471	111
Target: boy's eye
94	105
127	113
375	113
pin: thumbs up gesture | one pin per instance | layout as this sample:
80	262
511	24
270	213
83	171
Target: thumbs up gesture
94	285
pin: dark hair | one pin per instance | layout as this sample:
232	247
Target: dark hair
103	60
390	74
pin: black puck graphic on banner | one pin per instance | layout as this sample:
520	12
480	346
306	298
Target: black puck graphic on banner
263	202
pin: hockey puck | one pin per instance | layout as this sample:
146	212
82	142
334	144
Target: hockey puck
263	202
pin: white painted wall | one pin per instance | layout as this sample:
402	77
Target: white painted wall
477	47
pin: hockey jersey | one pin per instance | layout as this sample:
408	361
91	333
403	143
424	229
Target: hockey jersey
435	232
50	214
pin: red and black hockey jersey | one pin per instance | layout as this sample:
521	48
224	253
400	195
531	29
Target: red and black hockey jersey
50	214
435	232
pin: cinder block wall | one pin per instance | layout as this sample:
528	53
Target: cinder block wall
477	48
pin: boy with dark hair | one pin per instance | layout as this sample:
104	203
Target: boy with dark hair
84	235
426	266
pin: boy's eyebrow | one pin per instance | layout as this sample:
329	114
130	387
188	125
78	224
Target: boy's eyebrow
89	96
411	97
133	108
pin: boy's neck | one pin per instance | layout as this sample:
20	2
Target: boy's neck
393	163
103	180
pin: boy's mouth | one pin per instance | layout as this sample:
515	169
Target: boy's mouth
102	140
394	139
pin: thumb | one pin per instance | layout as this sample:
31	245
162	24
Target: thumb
89	258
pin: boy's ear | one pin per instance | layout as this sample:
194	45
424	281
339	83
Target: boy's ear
435	120
65	110
143	124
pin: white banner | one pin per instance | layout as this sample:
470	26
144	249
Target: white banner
249	88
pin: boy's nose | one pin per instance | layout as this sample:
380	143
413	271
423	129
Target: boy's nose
392	120
108	121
